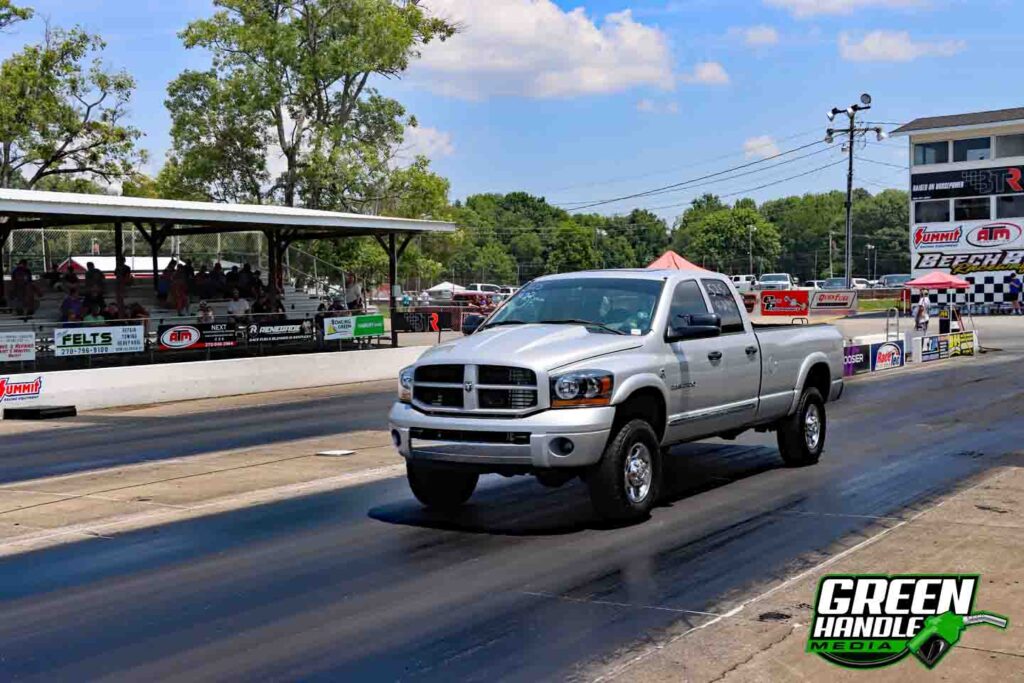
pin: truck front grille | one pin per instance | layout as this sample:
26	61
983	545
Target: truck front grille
506	399
439	397
444	374
499	374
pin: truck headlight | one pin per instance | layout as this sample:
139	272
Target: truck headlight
582	388
405	378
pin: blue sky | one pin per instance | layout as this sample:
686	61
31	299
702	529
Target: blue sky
594	99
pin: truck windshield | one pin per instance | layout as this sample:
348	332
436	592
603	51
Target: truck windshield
618	305
775	277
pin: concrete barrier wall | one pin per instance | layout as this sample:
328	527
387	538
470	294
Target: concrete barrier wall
145	384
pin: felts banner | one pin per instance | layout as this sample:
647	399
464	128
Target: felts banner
198	336
414	321
353	327
17	346
279	331
92	341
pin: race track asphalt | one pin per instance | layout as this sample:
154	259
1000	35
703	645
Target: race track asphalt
361	584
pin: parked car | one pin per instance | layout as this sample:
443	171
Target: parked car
483	287
775	281
596	374
509	290
860	283
891	281
834	283
814	284
744	283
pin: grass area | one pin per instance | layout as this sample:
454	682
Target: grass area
878	304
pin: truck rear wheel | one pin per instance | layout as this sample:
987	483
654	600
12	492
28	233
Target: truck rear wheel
441	488
802	435
626	482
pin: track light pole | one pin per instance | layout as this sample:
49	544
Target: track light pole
852	131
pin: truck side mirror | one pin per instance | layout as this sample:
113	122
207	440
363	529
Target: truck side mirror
695	326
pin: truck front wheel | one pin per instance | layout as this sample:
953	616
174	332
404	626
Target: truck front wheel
626	482
441	488
802	435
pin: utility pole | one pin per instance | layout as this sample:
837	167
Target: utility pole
852	131
830	273
750	246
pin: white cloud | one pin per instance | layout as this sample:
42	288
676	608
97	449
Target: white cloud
893	46
761	147
649	106
707	73
533	48
757	36
810	8
429	142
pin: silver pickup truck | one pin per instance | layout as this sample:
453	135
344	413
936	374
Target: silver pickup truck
596	374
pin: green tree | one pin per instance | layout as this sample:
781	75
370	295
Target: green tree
617	252
488	262
722	239
645	231
573	248
62	112
698	209
11	14
292	79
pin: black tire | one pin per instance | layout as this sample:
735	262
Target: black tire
798	444
610	494
440	488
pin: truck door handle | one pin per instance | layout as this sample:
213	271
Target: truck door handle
751	350
715	355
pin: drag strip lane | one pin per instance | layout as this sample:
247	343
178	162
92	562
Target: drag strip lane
363	583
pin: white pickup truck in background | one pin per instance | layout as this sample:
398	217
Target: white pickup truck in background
596	374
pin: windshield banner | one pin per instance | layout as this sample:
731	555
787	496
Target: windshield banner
17	346
93	341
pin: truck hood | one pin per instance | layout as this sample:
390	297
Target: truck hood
542	347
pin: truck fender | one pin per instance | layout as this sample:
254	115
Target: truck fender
815	358
636	382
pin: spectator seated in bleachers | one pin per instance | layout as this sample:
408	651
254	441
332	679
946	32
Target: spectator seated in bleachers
53	275
338	305
178	298
111	312
205	313
238	308
70	279
94	315
137	311
93	297
24	298
72	308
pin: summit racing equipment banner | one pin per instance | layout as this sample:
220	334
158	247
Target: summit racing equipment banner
980	182
11	390
91	341
867	621
280	331
791	302
198	336
17	346
353	327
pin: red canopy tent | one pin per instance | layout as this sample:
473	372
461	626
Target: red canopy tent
670	260
938	280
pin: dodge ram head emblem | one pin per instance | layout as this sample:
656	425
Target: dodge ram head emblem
468	386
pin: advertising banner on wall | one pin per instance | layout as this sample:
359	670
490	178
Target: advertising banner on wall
279	331
834	302
197	336
92	341
856	359
975	182
12	390
353	327
961	344
792	302
887	356
17	346
935	347
426	321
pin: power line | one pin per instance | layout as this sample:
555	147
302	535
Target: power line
659	190
759	187
881	163
696	164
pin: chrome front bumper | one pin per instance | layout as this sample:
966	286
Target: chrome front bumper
587	428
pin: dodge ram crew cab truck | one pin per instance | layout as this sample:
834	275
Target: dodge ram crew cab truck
596	374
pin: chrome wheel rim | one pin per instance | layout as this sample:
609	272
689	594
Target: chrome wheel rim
812	427
638	473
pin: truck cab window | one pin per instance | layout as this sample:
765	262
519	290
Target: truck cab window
687	300
724	304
